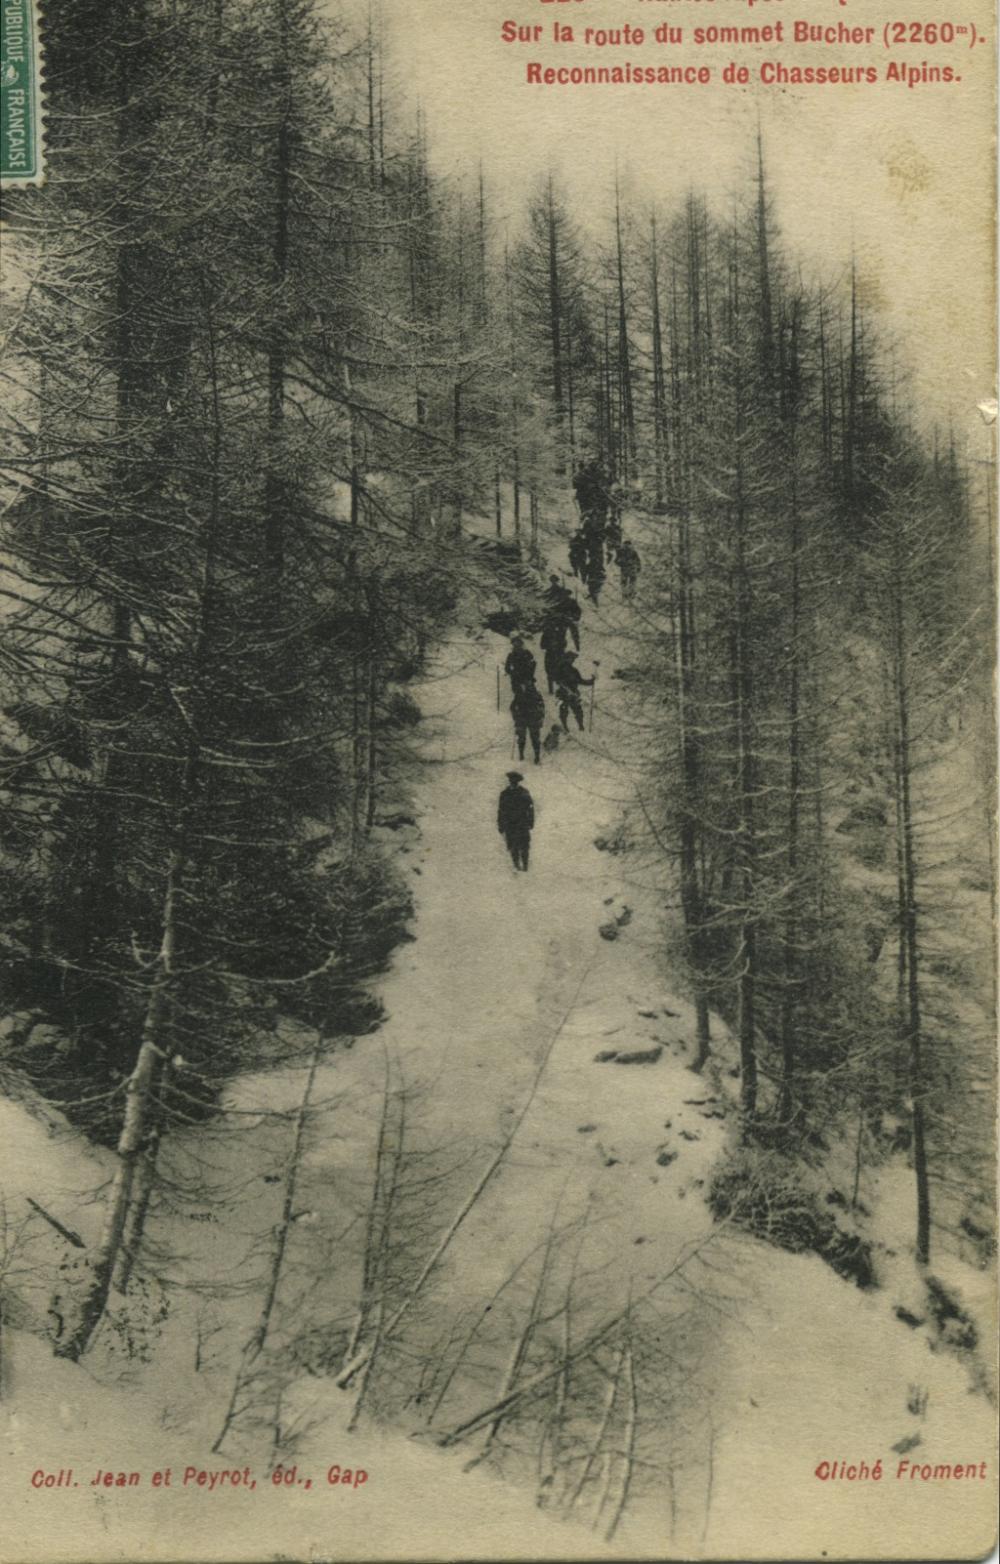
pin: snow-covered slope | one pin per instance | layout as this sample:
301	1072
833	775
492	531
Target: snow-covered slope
782	1364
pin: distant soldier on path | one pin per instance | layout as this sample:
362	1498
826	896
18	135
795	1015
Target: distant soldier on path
553	643
568	681
629	565
596	575
578	553
561	607
569	611
528	711
613	531
590	488
515	818
593	565
520	664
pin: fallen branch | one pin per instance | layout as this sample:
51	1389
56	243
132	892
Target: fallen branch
583	1349
64	1232
481	1315
529	1387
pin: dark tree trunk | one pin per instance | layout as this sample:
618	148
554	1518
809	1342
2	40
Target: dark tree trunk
910	1013
555	309
625	398
274	485
659	378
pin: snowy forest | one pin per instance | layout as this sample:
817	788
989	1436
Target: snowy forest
319	1114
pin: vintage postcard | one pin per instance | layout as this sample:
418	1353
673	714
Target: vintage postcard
497	781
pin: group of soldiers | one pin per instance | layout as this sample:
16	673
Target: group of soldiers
599	536
559	643
560	626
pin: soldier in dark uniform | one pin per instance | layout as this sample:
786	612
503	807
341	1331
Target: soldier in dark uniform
613	531
562	607
590	486
520	665
578	553
515	818
553	643
528	711
584	488
593	565
568	680
569	610
628	564
595	575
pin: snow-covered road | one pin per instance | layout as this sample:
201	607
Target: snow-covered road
504	961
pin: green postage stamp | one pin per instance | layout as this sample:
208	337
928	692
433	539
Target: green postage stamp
22	160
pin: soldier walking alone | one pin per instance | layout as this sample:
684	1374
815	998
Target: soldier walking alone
515	818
